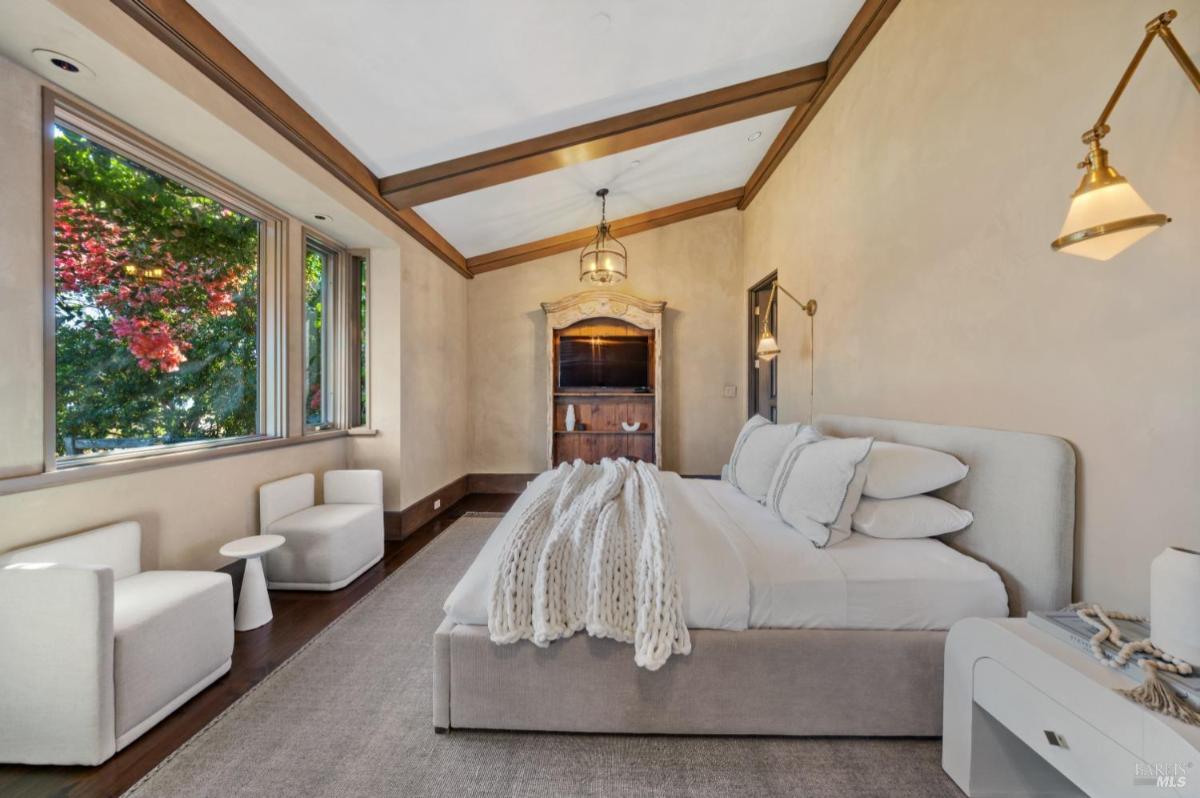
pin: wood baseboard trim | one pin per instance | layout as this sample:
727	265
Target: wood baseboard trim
498	483
399	525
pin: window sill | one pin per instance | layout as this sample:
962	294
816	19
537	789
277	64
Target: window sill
112	466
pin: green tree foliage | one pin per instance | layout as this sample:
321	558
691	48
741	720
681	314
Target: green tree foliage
156	304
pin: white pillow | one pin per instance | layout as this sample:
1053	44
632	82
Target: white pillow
910	517
817	486
896	470
756	454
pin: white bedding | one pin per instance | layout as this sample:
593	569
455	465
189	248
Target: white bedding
740	566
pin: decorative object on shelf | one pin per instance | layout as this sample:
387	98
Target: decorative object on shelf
625	425
768	346
604	260
570	423
1152	693
1175	602
1106	214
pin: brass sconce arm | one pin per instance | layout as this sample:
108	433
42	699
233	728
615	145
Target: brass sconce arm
1160	26
809	307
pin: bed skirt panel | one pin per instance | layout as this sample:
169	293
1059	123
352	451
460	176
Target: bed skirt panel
795	682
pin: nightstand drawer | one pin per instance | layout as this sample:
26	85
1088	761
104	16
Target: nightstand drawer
1076	749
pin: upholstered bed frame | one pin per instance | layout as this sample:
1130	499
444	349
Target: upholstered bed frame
1021	488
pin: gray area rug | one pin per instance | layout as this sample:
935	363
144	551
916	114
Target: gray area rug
350	715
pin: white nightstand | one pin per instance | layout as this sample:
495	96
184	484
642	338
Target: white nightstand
1026	715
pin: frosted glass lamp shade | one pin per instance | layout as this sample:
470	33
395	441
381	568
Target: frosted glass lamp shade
1104	221
768	347
602	266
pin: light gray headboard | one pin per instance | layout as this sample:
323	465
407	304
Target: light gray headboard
1021	488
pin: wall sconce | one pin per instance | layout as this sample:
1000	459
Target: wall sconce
768	346
1106	214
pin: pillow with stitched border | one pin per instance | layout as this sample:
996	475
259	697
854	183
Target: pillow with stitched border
897	470
818	485
756	453
909	517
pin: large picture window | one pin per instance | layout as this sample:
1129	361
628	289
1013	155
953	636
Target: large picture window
156	304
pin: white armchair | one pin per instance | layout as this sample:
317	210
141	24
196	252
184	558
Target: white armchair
327	545
94	651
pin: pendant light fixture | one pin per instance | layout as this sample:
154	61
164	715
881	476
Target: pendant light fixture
1106	214
603	260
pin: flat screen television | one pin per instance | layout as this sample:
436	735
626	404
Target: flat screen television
603	362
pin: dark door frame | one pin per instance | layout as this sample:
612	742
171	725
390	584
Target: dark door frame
755	327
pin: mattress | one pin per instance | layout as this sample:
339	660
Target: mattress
741	567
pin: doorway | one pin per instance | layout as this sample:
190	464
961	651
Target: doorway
763	377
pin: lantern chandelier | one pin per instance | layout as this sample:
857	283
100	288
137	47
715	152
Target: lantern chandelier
603	260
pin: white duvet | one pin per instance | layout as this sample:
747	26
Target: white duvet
741	567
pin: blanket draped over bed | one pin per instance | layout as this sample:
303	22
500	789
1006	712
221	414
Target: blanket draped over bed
591	552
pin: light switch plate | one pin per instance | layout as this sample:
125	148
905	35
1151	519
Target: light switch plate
437	504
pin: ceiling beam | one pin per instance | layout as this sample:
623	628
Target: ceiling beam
858	35
621	227
189	34
604	137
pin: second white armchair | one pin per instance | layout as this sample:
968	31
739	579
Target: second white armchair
327	545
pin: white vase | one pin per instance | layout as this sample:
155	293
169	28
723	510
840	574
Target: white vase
570	418
1175	603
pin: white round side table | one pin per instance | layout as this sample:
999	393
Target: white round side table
254	605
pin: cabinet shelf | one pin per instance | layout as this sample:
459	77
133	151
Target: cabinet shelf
596	394
602	432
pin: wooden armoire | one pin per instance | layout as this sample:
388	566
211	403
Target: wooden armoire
600	410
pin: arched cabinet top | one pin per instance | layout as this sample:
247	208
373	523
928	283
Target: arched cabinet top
569	310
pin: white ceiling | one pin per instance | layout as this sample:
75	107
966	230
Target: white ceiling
408	83
556	202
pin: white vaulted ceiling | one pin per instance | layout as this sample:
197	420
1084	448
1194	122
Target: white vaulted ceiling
409	83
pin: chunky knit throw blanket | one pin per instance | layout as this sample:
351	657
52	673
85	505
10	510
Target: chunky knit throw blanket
592	552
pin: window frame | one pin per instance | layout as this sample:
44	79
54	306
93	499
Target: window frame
271	425
359	361
339	373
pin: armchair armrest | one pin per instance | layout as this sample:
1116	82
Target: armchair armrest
360	486
56	664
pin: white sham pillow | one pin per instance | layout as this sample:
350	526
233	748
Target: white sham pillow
910	517
756	453
817	486
897	470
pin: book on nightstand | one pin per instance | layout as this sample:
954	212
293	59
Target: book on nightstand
1068	627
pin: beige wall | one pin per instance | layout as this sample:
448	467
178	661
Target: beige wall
919	208
187	512
434	382
21	269
694	266
419	385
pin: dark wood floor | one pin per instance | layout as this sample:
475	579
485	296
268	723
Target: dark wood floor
298	617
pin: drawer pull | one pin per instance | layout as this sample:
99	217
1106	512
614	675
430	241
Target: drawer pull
1055	739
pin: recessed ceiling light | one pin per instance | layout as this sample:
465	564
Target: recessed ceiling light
322	217
62	64
755	136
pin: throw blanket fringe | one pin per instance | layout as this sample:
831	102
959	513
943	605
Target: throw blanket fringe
591	552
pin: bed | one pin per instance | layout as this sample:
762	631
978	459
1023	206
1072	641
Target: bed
787	639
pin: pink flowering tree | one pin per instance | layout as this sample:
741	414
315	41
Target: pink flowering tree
156	304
